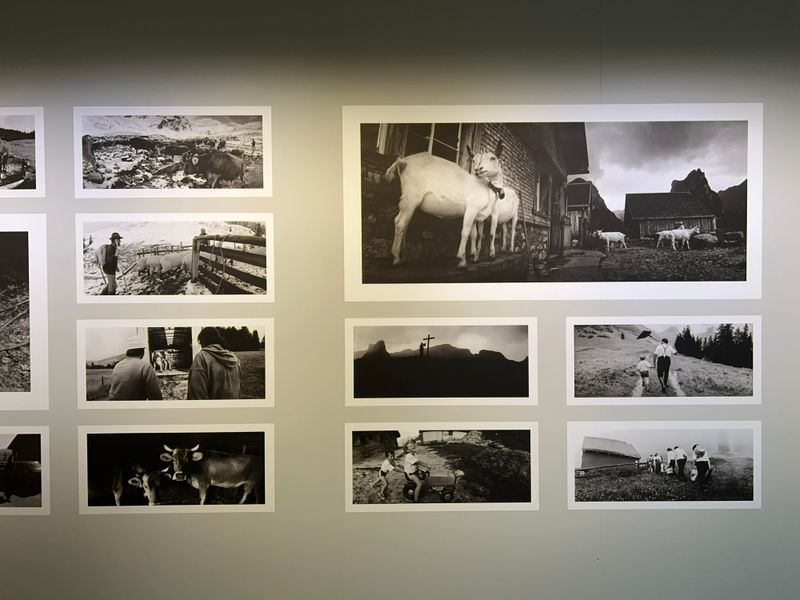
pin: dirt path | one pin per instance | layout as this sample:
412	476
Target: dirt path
638	389
578	265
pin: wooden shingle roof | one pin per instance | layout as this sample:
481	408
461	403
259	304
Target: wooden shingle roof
665	205
609	446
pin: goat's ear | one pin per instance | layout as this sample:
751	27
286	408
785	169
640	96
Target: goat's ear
499	149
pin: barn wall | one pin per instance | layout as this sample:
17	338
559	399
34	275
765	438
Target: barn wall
651	227
598	459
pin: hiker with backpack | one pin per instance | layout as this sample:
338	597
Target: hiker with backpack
107	256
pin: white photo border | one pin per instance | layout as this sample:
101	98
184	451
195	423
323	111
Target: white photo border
572	322
266	123
268	429
533	386
580	428
37	112
357	291
44	438
269	363
531	426
83	218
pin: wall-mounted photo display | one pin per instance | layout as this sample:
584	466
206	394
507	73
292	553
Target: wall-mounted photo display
651	201
664	360
452	466
176	468
663	464
176	363
24	470
204	257
172	151
22	152
23	313
440	361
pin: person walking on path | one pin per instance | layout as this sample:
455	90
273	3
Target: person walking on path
644	367
662	354
107	256
680	461
133	378
216	372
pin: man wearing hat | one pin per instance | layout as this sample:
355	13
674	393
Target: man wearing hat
107	255
134	378
662	353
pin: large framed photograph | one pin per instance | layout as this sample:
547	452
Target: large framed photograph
664	360
176	469
24	471
447	361
650	201
23	313
22	152
200	257
176	363
451	466
172	151
663	464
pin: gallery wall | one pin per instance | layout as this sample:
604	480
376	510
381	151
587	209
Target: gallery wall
305	65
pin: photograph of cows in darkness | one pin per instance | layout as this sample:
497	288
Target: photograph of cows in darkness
172	151
15	317
178	256
669	464
602	200
199	470
175	363
664	360
21	152
21	471
441	361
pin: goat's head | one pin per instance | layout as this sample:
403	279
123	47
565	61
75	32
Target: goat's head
487	164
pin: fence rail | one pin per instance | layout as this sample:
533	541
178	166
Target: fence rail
213	263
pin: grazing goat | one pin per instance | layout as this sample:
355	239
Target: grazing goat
611	237
442	189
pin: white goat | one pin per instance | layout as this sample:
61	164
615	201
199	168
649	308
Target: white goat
611	237
441	188
682	236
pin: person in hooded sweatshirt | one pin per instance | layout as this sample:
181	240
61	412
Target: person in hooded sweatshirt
216	372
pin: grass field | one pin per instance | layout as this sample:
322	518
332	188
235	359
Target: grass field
644	262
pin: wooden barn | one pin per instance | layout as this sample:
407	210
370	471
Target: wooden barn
647	214
602	452
587	212
441	436
175	340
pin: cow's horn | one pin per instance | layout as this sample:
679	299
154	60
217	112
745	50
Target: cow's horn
196	448
167	448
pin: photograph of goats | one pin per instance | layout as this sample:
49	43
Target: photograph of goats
663	360
552	202
175	363
172	151
176	468
21	152
208	257
442	361
24	471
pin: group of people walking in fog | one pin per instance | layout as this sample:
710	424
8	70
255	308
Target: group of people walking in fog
676	460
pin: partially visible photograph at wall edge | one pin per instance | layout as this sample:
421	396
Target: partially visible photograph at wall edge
22	173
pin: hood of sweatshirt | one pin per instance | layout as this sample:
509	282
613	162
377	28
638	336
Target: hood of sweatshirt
227	358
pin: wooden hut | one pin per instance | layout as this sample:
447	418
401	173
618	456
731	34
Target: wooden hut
602	452
647	214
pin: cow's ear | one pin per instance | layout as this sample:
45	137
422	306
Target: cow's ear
197	456
135	481
166	457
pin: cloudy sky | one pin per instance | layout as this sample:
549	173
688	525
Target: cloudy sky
511	340
646	157
24	123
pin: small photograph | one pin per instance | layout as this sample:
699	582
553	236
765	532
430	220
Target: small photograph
664	360
21	152
572	202
177	468
664	464
225	363
23	313
406	362
441	466
24	471
172	151
175	258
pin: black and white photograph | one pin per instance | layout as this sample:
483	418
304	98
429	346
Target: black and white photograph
21	152
176	468
205	257
664	464
24	471
664	360
581	202
176	363
172	151
443	361
23	313
441	466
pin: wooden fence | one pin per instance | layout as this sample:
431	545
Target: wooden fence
158	249
216	263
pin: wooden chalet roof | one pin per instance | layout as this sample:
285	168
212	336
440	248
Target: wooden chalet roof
608	446
665	205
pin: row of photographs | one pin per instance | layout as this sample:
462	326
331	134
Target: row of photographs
659	201
440	466
158	363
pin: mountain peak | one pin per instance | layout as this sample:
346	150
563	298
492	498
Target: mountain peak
376	351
